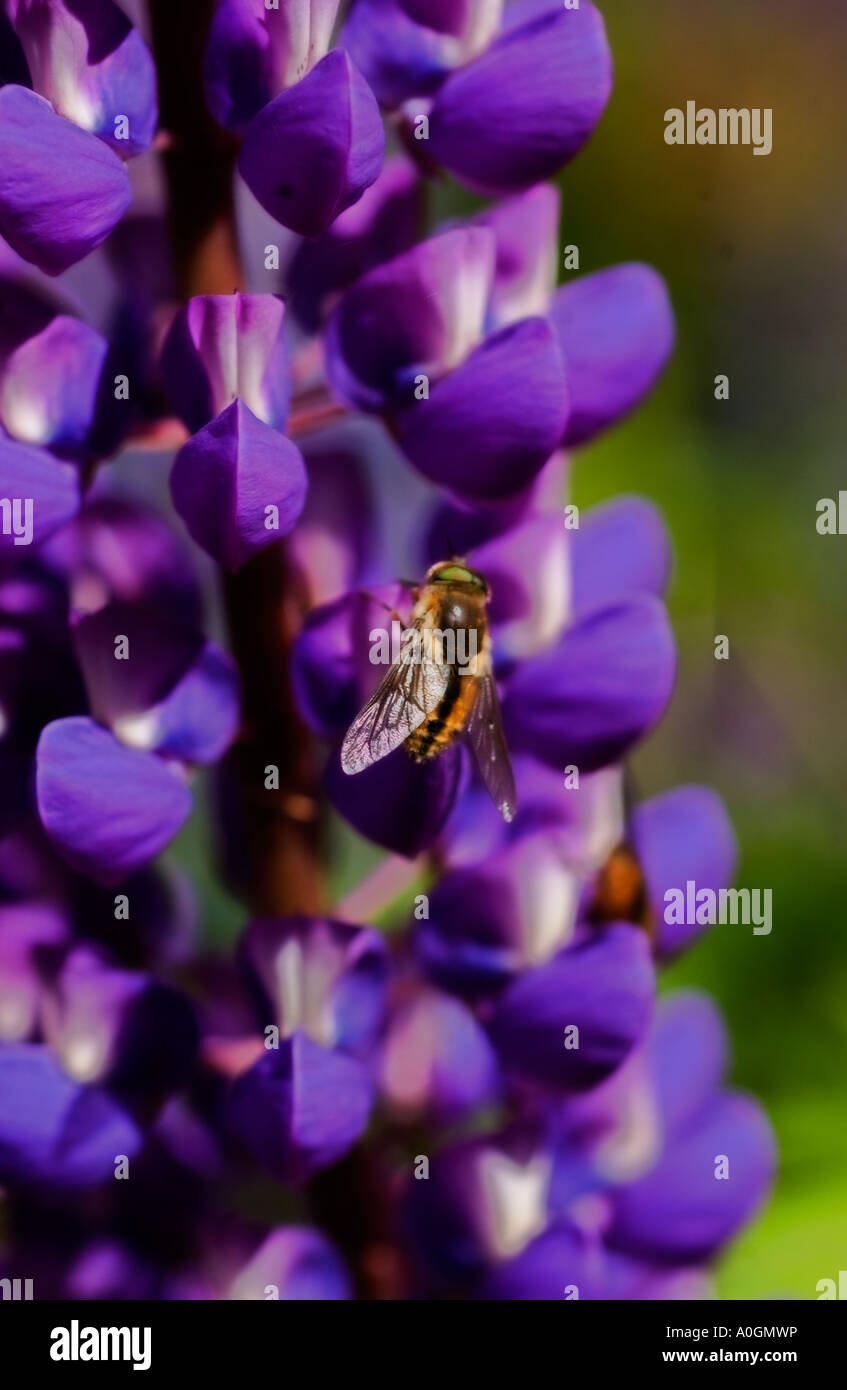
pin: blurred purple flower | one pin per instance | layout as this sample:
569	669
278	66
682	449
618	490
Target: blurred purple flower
57	390
293	1264
301	1107
52	1129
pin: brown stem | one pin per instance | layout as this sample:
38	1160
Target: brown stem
199	155
265	603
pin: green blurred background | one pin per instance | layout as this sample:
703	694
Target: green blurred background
755	253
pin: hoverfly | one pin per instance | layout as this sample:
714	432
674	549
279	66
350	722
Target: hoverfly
440	686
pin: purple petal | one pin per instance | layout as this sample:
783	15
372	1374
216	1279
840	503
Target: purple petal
620	548
226	346
117	1026
687	1053
523	108
437	1061
684	835
490	920
238	486
661	1090
122	549
300	1109
175	695
108	1269
240	63
331	671
323	666
444	16
296	1262
325	978
616	329
254	51
562	1258
61	189
420	313
603	987
313	150
528	573
581	827
397	803
42	494
23	928
484	1200
159	653
398	57
603	687
335	539
490	426
57	390
53	1130
95	69
108	809
527	232
682	1211
384	223
198	720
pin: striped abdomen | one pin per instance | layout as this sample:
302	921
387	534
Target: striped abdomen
447	720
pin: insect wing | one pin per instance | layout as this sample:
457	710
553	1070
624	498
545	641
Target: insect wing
409	691
484	731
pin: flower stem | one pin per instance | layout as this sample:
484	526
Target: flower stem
265	602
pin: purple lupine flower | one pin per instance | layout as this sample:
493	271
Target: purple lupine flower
93	66
43	493
324	977
57	391
23	928
255	51
224	347
498	133
54	1130
238	483
313	151
382	224
322	985
667	1202
61	189
437	1062
117	1026
494	1095
420	313
484	417
301	1107
683	835
602	987
123	550
111	790
583	699
107	807
488	126
614	365
293	1264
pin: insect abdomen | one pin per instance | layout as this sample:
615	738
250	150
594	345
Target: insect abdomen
445	723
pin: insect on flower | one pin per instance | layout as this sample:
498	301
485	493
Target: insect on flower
440	687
